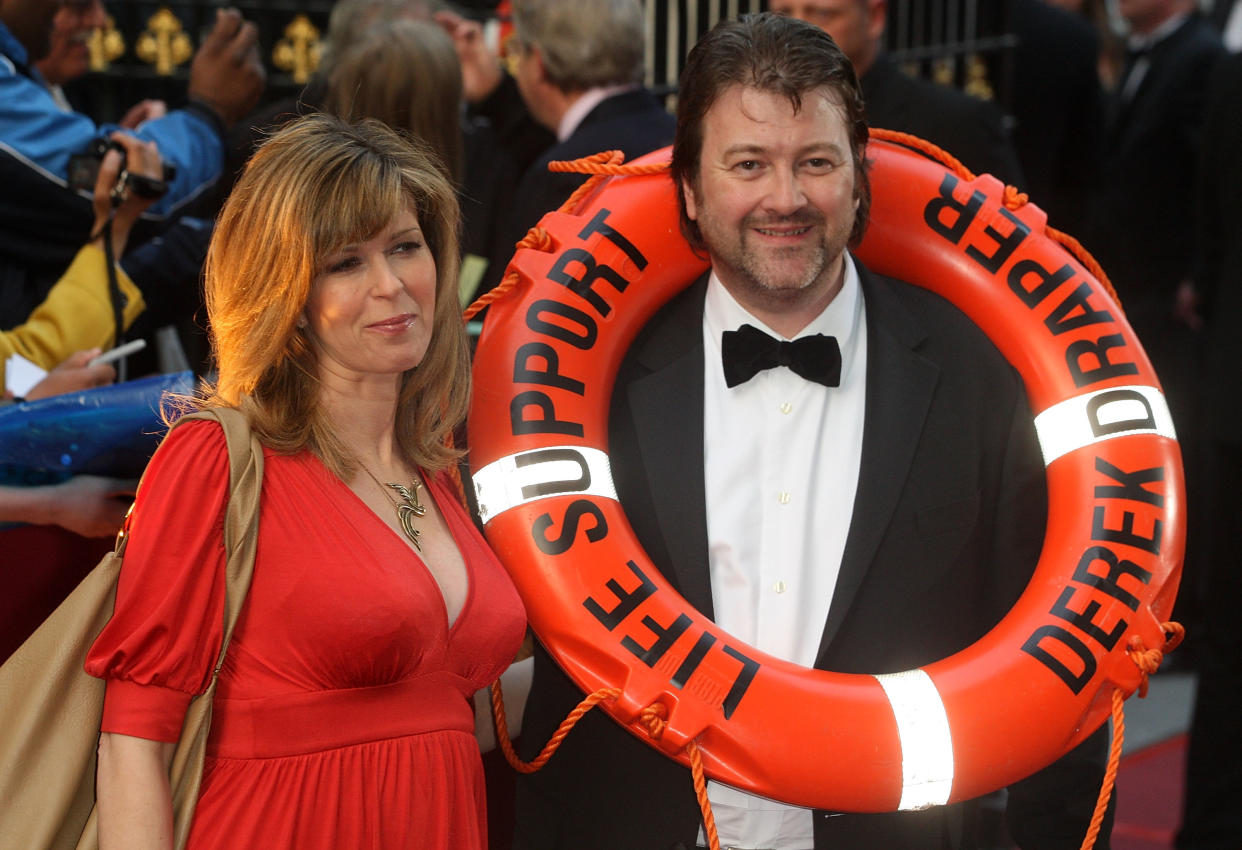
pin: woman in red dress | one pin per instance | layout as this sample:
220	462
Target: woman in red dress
342	716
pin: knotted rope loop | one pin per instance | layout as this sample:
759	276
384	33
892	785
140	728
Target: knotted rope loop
1014	199
1147	660
536	238
502	727
610	163
1174	634
654	717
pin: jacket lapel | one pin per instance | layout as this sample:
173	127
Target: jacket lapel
667	408
900	385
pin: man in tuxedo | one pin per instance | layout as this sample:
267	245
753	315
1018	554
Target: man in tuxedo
579	67
871	506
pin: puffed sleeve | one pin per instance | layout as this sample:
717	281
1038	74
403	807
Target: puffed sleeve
160	646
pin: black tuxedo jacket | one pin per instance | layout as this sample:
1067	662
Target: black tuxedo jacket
633	122
946	527
1143	230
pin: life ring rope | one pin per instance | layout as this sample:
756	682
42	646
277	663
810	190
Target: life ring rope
1147	661
608	162
653	717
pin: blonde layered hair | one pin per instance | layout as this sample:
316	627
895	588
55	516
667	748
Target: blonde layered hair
315	186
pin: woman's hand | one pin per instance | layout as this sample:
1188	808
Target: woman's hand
141	158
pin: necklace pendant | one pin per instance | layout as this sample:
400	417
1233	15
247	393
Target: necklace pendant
410	510
406	513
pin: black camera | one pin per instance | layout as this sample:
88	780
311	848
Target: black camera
84	171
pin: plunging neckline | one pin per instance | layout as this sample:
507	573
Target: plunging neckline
450	623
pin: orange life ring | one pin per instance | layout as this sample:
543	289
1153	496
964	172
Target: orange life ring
1032	688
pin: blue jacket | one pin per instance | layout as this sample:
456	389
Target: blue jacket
43	222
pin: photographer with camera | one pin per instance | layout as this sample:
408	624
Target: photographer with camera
77	315
42	218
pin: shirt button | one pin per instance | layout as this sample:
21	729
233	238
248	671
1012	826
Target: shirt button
786	408
784	498
780	587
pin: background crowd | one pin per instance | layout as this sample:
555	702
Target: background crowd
1121	121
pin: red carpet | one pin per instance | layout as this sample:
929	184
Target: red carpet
1149	796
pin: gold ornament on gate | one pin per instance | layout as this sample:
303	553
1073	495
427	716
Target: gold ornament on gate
298	51
977	82
942	70
164	44
105	45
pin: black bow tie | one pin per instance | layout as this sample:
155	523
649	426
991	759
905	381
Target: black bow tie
747	351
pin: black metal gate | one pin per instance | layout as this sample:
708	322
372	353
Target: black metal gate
146	49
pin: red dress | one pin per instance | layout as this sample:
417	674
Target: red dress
342	717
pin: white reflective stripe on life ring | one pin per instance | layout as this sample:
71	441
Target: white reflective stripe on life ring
1089	418
537	474
926	742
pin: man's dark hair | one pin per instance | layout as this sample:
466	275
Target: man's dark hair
773	53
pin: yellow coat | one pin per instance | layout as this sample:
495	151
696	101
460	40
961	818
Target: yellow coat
76	315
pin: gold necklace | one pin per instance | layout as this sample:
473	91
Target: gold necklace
408	509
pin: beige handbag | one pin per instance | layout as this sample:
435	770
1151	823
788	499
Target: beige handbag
50	708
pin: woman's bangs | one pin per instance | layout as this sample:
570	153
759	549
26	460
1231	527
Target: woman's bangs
357	203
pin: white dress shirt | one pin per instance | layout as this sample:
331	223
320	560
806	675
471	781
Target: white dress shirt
781	459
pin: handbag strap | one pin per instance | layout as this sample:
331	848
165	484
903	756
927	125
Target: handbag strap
241	517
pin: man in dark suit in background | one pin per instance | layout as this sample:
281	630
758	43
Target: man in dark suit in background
1142	229
969	128
579	68
874	507
1211	818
